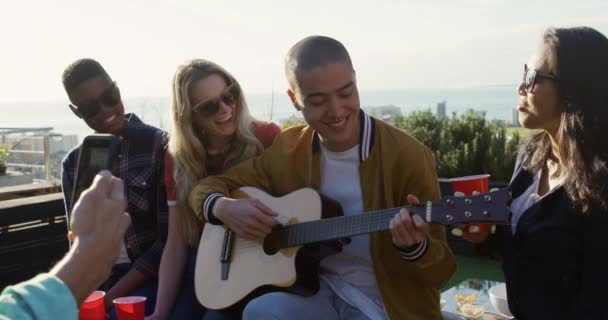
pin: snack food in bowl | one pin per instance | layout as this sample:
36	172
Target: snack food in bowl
465	298
472	311
498	299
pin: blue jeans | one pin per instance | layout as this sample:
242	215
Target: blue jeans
186	304
234	312
325	304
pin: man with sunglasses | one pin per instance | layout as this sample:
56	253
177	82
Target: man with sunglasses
363	163
95	98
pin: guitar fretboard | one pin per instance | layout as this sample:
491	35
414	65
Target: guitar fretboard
338	228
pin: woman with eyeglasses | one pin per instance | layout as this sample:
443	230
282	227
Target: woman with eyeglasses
554	252
212	131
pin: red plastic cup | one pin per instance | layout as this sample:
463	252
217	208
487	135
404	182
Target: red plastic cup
93	307
130	308
470	185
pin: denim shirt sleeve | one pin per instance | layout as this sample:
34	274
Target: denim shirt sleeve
43	297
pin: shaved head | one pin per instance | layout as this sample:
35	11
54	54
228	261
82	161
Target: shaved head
312	52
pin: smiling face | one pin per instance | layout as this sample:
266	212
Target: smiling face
220	125
539	106
110	118
328	98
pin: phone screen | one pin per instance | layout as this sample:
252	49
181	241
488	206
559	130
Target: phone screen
95	160
96	154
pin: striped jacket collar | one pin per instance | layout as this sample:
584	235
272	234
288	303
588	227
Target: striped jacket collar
366	136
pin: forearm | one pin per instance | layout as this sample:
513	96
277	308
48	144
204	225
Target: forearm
252	172
438	264
42	297
203	190
79	275
129	282
172	266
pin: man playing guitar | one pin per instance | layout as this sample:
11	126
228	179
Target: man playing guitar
363	163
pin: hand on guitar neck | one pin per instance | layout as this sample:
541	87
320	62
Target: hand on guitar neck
248	218
408	230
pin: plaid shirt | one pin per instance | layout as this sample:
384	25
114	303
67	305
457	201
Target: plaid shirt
139	163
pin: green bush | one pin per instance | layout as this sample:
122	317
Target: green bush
463	145
5	151
466	144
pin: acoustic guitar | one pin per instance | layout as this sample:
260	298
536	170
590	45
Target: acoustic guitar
229	268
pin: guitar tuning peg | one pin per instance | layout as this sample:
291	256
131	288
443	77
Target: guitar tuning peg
458	194
494	189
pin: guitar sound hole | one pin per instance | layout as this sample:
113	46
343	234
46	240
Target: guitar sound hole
271	244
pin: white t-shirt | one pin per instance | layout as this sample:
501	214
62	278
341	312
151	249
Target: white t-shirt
349	273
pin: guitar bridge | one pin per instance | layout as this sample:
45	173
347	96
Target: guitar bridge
226	253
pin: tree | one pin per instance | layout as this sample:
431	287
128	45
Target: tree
466	144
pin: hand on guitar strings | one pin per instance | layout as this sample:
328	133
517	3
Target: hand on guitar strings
408	230
248	218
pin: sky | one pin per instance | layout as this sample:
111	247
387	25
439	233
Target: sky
393	43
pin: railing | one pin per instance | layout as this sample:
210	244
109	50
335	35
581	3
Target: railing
26	137
32	236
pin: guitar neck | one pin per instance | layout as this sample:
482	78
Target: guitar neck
338	228
491	207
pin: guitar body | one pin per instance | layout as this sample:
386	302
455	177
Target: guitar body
250	267
288	258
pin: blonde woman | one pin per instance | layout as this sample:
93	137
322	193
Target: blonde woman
212	131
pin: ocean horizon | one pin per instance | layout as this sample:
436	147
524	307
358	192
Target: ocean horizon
497	102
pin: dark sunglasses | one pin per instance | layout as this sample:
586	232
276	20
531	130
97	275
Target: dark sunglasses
210	107
109	99
530	76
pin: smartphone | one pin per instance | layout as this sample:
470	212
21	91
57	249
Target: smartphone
97	153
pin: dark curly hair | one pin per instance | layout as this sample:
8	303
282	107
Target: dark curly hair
580	56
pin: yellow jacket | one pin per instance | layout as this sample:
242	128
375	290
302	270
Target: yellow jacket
393	165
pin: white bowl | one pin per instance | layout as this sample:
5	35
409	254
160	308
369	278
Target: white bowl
498	299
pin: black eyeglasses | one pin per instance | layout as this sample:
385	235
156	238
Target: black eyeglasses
109	98
530	77
210	107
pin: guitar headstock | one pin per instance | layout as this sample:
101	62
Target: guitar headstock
491	207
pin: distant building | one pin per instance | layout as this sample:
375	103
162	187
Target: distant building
386	113
441	109
515	118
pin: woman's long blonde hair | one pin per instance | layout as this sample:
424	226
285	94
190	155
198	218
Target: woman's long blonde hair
187	143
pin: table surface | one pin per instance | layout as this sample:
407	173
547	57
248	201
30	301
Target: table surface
478	287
